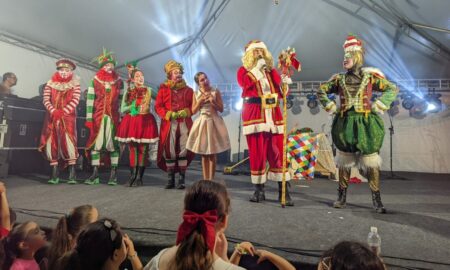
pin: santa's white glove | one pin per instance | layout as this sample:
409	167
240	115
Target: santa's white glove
286	79
261	64
331	108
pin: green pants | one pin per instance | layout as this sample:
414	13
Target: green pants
354	132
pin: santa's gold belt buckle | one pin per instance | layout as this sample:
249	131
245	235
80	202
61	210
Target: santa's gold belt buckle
269	101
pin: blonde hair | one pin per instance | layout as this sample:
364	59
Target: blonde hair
249	61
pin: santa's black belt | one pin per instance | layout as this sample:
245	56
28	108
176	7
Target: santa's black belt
258	100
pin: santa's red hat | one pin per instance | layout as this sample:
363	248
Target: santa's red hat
65	63
255	44
352	44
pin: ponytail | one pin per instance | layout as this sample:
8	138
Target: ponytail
61	242
193	253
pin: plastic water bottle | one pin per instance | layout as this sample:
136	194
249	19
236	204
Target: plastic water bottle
374	240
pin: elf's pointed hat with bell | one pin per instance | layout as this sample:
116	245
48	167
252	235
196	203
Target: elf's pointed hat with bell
104	58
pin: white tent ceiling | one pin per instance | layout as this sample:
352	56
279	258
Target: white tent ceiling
317	29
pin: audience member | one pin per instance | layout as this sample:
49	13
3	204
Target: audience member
201	243
69	226
20	246
9	80
348	255
5	213
260	259
101	245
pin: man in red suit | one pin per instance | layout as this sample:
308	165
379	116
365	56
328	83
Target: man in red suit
59	135
173	104
262	117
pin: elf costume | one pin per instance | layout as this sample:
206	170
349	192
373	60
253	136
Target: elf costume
102	116
357	129
59	135
138	126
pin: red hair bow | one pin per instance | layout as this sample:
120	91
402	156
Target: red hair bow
207	221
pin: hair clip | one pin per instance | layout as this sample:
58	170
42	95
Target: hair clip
107	224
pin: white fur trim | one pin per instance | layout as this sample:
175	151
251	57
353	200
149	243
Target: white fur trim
345	159
262	127
370	161
373	70
256	45
127	140
278	177
259	179
257	73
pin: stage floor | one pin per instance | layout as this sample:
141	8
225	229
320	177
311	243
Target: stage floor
415	233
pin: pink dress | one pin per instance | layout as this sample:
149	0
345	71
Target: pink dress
208	135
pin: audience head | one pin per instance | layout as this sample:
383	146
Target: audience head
68	228
206	208
9	79
24	239
99	246
348	255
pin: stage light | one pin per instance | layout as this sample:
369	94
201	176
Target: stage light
289	102
312	101
237	106
408	102
434	103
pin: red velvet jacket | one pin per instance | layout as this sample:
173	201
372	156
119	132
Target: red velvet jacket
168	100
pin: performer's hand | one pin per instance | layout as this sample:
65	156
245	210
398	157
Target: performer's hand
286	79
182	114
201	99
332	109
174	115
261	64
89	125
57	114
377	109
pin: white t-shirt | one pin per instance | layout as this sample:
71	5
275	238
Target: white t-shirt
218	264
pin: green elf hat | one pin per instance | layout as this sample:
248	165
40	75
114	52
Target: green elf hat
132	64
105	58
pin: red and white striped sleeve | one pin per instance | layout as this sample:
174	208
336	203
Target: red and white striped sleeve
73	103
47	99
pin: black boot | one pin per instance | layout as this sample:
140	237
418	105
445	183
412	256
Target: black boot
289	201
132	180
113	177
259	194
342	197
377	204
93	179
170	181
181	181
54	178
140	175
72	175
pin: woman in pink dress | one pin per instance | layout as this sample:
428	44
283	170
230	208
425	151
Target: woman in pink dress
209	135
